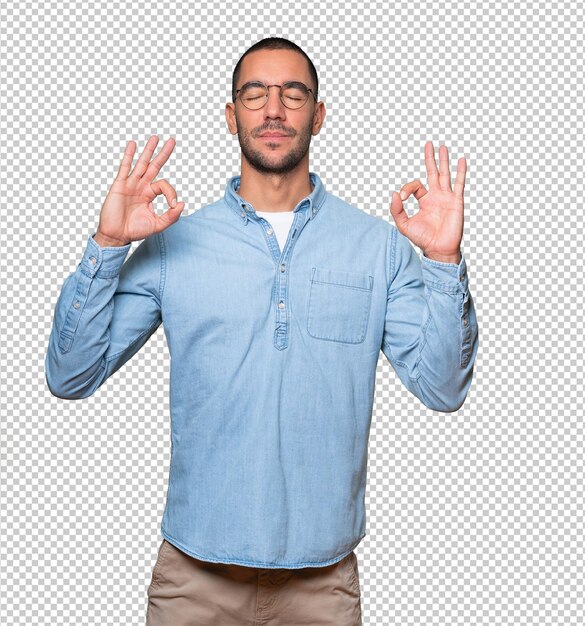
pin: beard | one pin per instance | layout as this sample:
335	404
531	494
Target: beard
270	161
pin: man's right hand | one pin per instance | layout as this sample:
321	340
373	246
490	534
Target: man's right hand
128	213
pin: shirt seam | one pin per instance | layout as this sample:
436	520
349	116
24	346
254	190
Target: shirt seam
163	265
389	266
391	257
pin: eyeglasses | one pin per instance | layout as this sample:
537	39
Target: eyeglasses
293	95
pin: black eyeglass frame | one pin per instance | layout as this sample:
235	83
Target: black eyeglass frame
290	82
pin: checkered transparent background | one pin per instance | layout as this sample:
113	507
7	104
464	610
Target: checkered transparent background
474	517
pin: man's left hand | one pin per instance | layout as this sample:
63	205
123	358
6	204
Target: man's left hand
437	228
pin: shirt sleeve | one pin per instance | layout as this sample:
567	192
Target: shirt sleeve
105	313
430	332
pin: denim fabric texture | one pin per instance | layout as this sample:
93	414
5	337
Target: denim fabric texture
273	363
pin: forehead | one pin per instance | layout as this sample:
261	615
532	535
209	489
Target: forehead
274	66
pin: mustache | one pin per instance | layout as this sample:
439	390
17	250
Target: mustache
284	131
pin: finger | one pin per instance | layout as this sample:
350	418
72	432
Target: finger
431	165
163	186
161	158
144	159
415	188
460	179
126	163
444	173
398	212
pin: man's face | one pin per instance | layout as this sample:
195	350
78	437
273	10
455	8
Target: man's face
275	155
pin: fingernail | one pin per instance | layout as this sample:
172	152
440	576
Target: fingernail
403	195
174	202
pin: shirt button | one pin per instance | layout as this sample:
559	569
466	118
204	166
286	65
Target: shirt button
269	231
465	321
76	304
282	267
243	213
281	305
92	260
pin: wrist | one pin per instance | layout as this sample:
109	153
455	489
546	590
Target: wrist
444	258
107	242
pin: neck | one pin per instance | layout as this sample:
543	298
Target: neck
274	192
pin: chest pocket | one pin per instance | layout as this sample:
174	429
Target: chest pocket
339	305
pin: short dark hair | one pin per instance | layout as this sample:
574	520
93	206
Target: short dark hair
274	43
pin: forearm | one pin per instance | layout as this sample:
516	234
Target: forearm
430	334
445	366
80	332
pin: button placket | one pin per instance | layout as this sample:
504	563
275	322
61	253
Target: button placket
69	327
281	329
282	303
280	291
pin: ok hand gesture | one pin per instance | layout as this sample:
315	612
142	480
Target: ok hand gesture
437	228
128	212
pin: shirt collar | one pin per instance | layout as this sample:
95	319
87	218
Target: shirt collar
312	202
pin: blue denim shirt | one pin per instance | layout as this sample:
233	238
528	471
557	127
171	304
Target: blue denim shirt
273	363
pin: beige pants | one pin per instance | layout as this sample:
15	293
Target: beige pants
185	591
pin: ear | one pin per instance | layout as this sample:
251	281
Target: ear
318	117
230	117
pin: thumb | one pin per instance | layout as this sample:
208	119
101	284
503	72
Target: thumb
398	212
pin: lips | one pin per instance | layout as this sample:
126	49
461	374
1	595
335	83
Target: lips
273	134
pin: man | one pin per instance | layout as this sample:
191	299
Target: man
276	301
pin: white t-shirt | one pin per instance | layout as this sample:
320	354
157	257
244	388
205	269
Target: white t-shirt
281	221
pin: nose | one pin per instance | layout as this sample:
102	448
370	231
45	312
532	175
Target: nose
274	106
